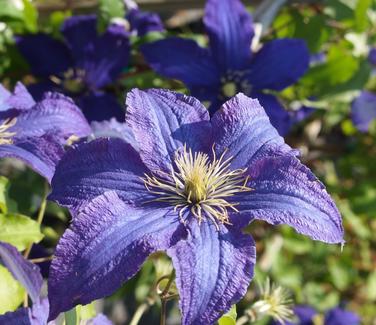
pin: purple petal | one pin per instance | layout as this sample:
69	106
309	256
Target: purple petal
284	191
80	32
114	129
101	106
184	60
56	114
213	271
45	55
40	153
27	273
163	121
20	99
4	96
244	130
18	317
100	319
93	168
279	117
109	55
230	31
105	246
363	110
279	64
39	312
305	316
144	22
338	316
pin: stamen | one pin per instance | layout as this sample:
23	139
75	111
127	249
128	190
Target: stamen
5	136
199	184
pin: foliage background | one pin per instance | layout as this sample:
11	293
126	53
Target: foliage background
342	157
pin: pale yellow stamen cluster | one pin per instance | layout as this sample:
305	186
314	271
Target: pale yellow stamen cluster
275	301
5	135
199	185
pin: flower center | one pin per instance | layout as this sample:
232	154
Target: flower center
229	89
72	80
199	184
5	135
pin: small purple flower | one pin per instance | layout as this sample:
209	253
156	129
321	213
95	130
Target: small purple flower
28	274
189	189
35	132
363	110
335	316
228	66
143	22
81	65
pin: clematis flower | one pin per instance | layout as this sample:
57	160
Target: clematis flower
335	316
228	66
81	65
35	132
189	189
363	110
28	274
143	22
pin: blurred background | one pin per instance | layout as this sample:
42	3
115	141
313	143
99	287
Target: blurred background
340	35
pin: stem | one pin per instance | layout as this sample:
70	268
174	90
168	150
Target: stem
144	307
41	259
164	295
41	212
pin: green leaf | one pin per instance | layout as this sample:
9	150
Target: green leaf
229	318
361	17
30	16
109	9
19	230
338	69
86	312
71	317
6	203
11	291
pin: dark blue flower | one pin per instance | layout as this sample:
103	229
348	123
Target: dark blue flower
363	110
228	66
81	65
35	132
191	186
28	274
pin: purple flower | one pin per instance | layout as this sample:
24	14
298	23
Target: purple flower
28	274
35	132
335	316
228	66
189	189
363	110
143	22
81	65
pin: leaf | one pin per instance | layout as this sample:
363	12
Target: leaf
361	17
86	312
6	204
339	68
109	9
30	16
71	317
19	230
11	291
229	318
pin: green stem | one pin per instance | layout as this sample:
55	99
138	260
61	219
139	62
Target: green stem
142	309
40	217
164	295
